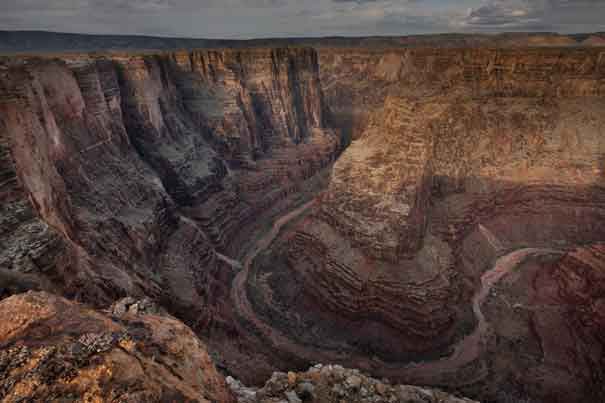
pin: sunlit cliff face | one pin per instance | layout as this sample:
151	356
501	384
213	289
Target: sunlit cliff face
428	215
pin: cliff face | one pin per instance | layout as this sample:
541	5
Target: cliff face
356	82
140	174
549	313
463	165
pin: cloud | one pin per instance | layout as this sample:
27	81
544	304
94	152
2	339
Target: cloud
266	18
529	15
354	1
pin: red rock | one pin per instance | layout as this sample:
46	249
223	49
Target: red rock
56	349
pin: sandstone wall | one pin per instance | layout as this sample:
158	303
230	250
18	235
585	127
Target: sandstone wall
135	174
357	81
458	158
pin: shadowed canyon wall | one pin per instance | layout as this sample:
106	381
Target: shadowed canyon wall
140	175
465	166
434	216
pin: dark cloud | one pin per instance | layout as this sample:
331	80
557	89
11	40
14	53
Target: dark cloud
354	1
264	18
553	15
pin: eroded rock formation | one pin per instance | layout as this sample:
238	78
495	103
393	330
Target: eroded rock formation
549	317
149	175
464	165
448	245
132	175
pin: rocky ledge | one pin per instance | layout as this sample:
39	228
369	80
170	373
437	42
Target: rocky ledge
335	384
54	350
62	351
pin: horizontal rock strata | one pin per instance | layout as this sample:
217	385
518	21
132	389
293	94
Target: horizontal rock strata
458	158
160	175
146	174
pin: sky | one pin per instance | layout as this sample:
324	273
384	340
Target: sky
288	18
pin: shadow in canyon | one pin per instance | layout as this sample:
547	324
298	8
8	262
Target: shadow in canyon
517	216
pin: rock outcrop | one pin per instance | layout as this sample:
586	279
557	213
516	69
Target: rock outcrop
333	383
56	350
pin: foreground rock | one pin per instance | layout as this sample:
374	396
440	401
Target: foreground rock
333	383
56	350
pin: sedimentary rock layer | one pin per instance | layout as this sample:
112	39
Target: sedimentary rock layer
357	81
458	158
139	174
549	327
160	175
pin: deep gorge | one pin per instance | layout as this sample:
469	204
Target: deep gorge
432	216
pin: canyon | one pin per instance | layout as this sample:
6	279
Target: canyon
430	215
